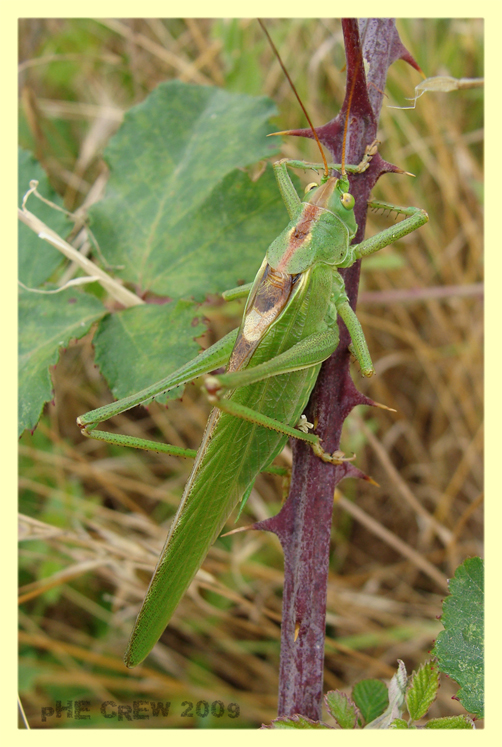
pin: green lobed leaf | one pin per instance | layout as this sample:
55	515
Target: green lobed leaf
138	346
459	647
371	697
178	216
295	722
47	323
342	708
422	691
450	722
37	260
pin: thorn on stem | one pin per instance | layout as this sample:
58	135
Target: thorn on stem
382	407
236	531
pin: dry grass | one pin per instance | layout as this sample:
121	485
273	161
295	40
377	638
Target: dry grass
95	517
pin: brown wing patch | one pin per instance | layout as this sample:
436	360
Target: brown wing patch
270	298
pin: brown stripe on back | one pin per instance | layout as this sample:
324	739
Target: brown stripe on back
301	231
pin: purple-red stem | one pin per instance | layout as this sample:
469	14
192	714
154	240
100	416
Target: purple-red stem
304	523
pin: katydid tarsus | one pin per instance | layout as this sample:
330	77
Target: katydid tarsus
289	327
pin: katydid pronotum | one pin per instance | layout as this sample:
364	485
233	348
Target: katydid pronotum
289	327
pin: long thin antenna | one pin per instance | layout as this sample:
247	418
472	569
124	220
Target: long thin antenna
346	125
349	102
326	170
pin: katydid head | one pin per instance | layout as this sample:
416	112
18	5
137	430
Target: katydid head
321	232
316	234
334	195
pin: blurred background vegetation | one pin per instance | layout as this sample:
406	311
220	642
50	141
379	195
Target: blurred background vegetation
90	511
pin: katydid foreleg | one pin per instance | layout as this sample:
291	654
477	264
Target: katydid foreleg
417	217
286	187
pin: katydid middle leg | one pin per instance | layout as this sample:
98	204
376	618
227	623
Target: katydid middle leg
311	351
359	346
416	218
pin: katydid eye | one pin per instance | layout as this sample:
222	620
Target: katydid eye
348	201
310	187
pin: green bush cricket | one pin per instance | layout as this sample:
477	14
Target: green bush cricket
272	360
